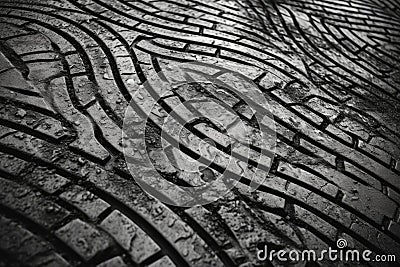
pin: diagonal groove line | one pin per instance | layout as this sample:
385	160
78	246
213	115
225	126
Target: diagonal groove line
14	58
22	91
325	56
325	148
312	45
226	260
28	130
197	228
219	146
333	136
39	230
151	259
132	56
82	53
328	197
247	181
284	214
197	42
98	133
49	6
243	180
97	130
88	66
147	227
75	213
32	107
360	64
203	11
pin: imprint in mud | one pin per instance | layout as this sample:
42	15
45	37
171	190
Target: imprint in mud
193	131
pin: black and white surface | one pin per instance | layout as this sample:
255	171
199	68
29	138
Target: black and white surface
69	68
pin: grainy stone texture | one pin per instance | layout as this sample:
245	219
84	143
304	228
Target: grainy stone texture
69	69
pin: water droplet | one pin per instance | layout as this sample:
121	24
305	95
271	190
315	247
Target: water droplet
354	198
21	113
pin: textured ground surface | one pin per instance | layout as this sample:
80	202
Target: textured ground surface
68	69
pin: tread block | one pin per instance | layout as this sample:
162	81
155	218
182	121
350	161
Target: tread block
129	235
26	246
21	199
84	239
85	201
